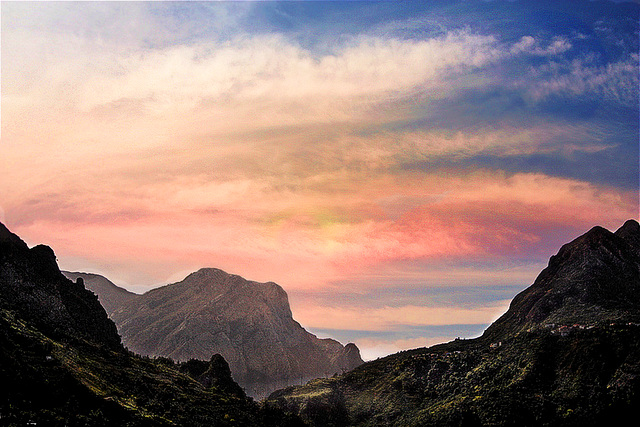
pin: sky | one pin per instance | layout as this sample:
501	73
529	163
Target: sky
401	169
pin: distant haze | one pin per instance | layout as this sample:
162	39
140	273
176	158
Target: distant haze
401	169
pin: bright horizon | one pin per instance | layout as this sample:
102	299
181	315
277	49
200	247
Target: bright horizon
401	169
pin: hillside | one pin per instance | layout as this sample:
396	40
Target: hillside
567	352
62	364
249	323
31	284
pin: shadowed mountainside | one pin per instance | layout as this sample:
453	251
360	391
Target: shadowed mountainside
32	285
567	352
61	361
249	323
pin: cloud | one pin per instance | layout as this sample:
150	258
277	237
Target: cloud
269	69
268	77
614	81
530	45
210	99
309	236
385	318
559	138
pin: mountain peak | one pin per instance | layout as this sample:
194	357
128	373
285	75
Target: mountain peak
630	232
630	226
249	323
32	286
593	279
7	238
210	271
210	276
595	236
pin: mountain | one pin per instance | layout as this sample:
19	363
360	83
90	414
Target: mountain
593	279
62	363
566	353
249	323
31	284
110	296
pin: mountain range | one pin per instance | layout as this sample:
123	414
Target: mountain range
567	352
249	323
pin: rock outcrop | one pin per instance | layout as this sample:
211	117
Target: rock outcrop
214	373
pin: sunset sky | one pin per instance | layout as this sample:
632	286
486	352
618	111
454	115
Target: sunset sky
402	170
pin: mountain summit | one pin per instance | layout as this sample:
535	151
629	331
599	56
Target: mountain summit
593	279
249	323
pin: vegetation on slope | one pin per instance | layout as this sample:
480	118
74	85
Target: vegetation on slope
52	383
585	377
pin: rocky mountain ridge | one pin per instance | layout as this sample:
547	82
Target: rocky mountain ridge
593	279
32	285
110	295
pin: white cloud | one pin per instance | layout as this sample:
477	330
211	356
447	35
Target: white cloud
85	74
530	45
560	138
269	67
615	81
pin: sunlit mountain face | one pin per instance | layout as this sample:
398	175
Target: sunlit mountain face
401	169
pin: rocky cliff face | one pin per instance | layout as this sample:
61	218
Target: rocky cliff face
566	353
32	286
248	323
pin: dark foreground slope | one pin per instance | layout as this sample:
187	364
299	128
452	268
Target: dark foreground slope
249	323
61	361
567	352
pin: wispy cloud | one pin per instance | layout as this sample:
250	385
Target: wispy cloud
614	81
380	319
529	44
